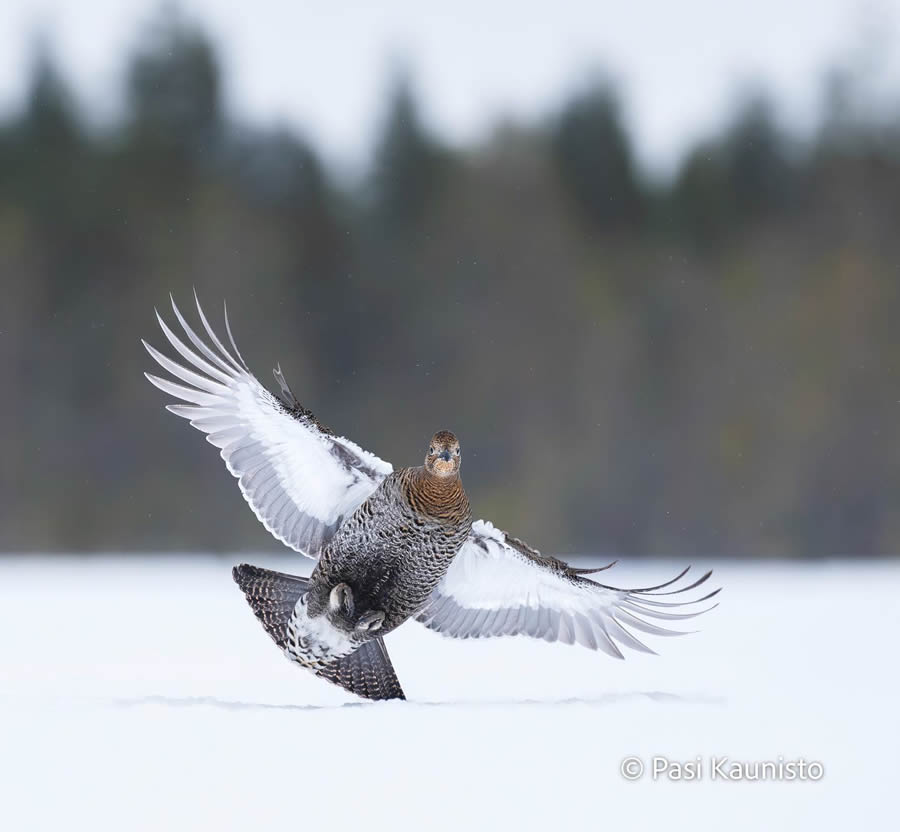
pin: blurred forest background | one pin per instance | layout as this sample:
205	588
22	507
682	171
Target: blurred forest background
707	365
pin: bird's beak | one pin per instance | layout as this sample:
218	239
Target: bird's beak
445	455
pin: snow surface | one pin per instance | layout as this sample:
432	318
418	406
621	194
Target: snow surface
140	693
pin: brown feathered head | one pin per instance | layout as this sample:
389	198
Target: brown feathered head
443	454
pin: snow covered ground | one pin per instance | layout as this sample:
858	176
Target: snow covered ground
140	693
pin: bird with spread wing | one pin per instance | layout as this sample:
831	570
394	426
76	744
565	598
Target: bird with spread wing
389	545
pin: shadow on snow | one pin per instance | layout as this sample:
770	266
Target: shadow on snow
605	699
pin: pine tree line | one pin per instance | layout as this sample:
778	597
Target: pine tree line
702	365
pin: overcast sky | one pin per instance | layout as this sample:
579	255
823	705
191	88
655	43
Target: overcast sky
323	65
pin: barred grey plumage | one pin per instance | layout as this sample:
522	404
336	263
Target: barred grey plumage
367	671
391	545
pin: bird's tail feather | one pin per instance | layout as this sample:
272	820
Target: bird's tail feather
367	672
272	596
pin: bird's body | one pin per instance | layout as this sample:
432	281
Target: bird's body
390	545
396	547
390	554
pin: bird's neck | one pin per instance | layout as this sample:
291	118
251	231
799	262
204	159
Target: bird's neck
440	497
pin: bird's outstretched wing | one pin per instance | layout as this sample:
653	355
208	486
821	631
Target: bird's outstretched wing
498	586
298	477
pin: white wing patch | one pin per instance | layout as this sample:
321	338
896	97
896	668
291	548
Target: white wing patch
300	480
499	586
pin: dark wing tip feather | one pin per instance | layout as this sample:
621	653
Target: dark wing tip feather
576	571
694	585
653	590
649	600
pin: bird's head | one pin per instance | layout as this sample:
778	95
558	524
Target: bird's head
443	458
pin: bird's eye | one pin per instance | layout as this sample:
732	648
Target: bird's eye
431	449
456	452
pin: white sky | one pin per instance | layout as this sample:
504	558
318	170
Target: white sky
323	66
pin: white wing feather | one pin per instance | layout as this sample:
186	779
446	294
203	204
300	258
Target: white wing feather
499	586
300	480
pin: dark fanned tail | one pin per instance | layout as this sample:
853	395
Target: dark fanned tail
367	672
272	596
